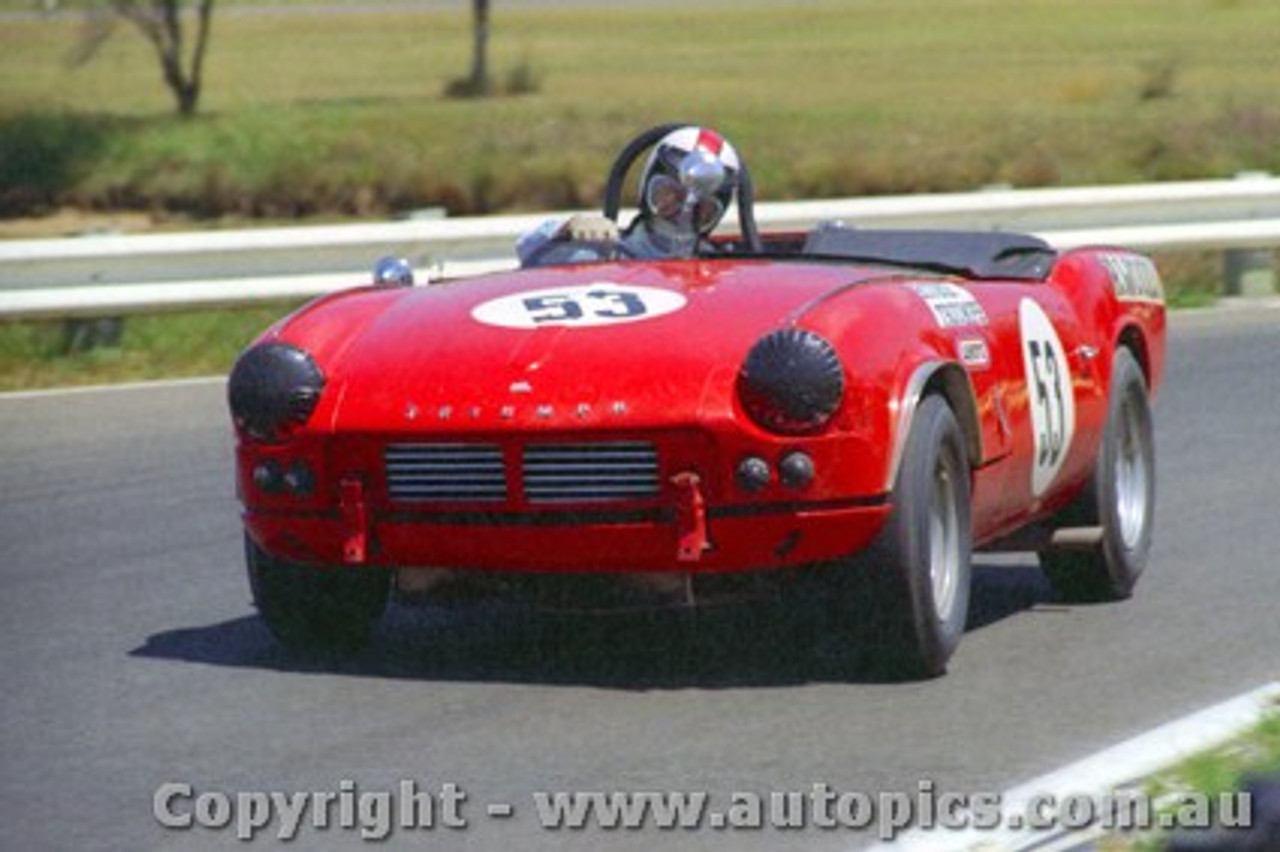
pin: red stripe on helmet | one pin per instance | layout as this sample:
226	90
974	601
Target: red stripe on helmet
709	141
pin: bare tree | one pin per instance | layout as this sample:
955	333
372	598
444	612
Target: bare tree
480	46
161	22
476	84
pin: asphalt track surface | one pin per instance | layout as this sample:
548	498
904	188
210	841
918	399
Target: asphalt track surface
131	656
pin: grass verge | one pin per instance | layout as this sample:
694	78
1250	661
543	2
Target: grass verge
1225	769
160	346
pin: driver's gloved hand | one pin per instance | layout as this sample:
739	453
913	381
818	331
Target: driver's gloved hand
591	228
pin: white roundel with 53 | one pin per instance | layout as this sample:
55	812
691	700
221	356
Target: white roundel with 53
579	306
1050	396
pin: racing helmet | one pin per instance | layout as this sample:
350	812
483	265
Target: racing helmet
688	182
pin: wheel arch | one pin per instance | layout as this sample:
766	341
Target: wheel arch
948	380
1131	337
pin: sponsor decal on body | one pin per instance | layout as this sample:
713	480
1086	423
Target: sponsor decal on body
1050	395
580	306
952	305
1133	277
974	353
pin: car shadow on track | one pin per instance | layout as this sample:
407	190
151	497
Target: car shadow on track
747	645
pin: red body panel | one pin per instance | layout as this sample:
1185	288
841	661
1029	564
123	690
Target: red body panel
431	366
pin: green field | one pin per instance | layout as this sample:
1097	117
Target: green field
343	114
338	115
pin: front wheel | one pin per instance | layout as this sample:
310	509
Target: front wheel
307	608
908	594
1119	501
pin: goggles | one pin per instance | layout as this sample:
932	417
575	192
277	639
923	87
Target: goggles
669	199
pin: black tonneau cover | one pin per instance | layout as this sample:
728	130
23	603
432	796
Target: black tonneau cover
975	254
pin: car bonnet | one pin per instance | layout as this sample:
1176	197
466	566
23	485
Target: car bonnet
627	343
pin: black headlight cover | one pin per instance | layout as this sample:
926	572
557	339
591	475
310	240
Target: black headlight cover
791	382
273	388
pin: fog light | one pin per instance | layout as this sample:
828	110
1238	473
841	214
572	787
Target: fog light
796	470
268	478
753	474
299	479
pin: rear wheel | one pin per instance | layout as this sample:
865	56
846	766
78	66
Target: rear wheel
1118	503
307	608
906	598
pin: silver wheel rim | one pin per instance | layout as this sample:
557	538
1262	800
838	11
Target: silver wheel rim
944	543
1131	477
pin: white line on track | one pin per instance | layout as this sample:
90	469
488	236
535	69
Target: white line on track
159	384
1098	775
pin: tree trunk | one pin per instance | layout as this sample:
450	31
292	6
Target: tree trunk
480	47
161	22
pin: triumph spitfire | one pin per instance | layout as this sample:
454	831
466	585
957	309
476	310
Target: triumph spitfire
859	409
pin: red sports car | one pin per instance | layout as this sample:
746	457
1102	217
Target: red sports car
859	409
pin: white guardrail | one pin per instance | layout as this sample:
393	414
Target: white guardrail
114	275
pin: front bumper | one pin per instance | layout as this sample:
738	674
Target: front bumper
604	541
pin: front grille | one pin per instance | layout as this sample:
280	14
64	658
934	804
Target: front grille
446	472
550	473
564	473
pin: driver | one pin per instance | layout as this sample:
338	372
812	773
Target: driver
687	185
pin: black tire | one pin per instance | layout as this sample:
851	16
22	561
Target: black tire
308	608
1120	499
908	594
